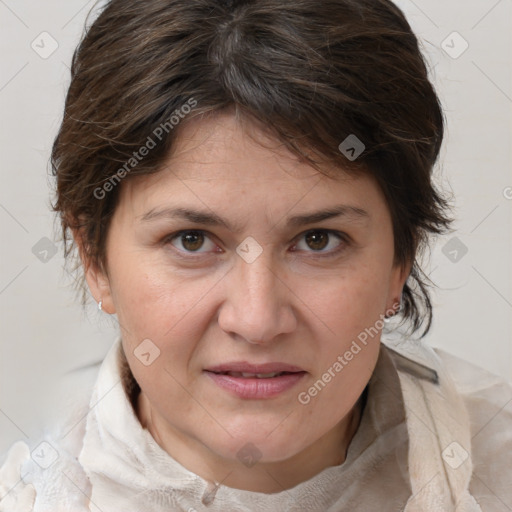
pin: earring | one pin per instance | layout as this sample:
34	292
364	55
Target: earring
100	303
401	303
388	318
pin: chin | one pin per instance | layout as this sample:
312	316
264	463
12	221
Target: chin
252	442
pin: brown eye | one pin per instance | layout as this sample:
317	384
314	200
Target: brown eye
192	241
322	241
317	240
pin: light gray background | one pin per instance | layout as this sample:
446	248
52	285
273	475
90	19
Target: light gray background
44	333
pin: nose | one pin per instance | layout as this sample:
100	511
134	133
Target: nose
259	304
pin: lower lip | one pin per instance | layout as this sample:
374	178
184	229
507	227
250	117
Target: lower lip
256	388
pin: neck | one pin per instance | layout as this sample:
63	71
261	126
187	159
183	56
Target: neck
265	477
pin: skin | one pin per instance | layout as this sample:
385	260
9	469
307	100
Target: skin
300	302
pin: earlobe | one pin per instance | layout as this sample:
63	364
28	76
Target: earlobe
99	284
97	279
397	285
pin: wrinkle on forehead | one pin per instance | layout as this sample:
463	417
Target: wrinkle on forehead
219	142
222	148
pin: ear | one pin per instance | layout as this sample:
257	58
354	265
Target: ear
97	278
399	275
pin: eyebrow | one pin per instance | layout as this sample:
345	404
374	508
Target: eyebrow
351	213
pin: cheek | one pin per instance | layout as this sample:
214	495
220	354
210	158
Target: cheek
350	301
347	343
346	312
156	305
155	301
332	393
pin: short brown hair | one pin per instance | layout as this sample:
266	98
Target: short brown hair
312	72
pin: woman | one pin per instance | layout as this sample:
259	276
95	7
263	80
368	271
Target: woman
249	188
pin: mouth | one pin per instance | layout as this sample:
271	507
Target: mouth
256	381
243	367
248	375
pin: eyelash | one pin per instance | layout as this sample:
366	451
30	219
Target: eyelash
342	237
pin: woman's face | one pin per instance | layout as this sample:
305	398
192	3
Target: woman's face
227	257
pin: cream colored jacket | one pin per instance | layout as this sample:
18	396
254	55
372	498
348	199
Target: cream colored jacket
435	436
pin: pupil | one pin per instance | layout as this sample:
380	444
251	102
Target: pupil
192	241
317	240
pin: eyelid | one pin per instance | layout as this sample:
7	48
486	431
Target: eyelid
176	235
343	237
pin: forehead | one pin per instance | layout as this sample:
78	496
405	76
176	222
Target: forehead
222	142
222	161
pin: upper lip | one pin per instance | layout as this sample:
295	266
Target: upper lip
245	367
